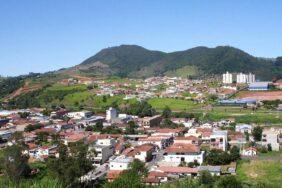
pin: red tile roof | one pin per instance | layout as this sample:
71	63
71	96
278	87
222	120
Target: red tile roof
182	148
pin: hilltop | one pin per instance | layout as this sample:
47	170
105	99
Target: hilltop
136	61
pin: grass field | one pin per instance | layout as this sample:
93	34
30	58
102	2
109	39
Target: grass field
174	104
261	172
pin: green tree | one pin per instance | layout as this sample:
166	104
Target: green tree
234	153
257	133
228	182
166	112
14	163
206	179
131	178
71	164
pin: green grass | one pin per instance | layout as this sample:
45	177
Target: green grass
173	104
259	171
183	72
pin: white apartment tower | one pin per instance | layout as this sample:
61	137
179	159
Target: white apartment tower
251	78
241	78
111	113
227	78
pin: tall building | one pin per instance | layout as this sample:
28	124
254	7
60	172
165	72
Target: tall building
111	113
251	78
227	78
241	78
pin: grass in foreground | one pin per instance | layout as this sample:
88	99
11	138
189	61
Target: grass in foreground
264	172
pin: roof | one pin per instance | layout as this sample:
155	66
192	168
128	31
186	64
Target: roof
210	168
113	174
177	169
259	84
193	138
180	148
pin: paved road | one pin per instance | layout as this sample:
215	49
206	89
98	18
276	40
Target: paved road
158	157
97	173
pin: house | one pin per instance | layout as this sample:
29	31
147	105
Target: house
243	128
272	137
121	162
218	140
43	152
214	170
143	152
236	139
251	151
151	121
79	115
177	172
111	113
5	134
160	141
156	178
113	174
178	153
187	140
104	149
168	132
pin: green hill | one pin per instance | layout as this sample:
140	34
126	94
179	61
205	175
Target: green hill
136	61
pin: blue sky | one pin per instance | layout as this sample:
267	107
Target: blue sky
38	36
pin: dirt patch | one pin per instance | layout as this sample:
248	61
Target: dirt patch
260	95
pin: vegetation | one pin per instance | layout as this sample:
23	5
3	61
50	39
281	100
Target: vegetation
136	61
257	133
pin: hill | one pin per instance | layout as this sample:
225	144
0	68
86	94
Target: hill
136	61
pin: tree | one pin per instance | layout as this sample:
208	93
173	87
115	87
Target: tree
234	153
166	112
206	178
130	178
257	133
14	163
228	181
71	164
130	129
30	127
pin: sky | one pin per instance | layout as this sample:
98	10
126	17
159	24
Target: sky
40	36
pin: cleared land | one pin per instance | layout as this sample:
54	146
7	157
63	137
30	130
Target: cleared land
260	95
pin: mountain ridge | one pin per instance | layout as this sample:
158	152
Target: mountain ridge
137	61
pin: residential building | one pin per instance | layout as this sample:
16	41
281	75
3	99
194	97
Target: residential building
251	151
227	78
104	150
111	113
243	128
272	137
218	140
178	153
151	121
241	78
120	163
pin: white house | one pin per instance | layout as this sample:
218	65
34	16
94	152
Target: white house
178	153
271	136
251	151
104	149
218	140
120	163
243	128
79	115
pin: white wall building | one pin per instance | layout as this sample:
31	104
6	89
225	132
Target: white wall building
227	78
250	78
111	113
178	153
271	136
218	140
241	78
79	115
120	163
104	149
